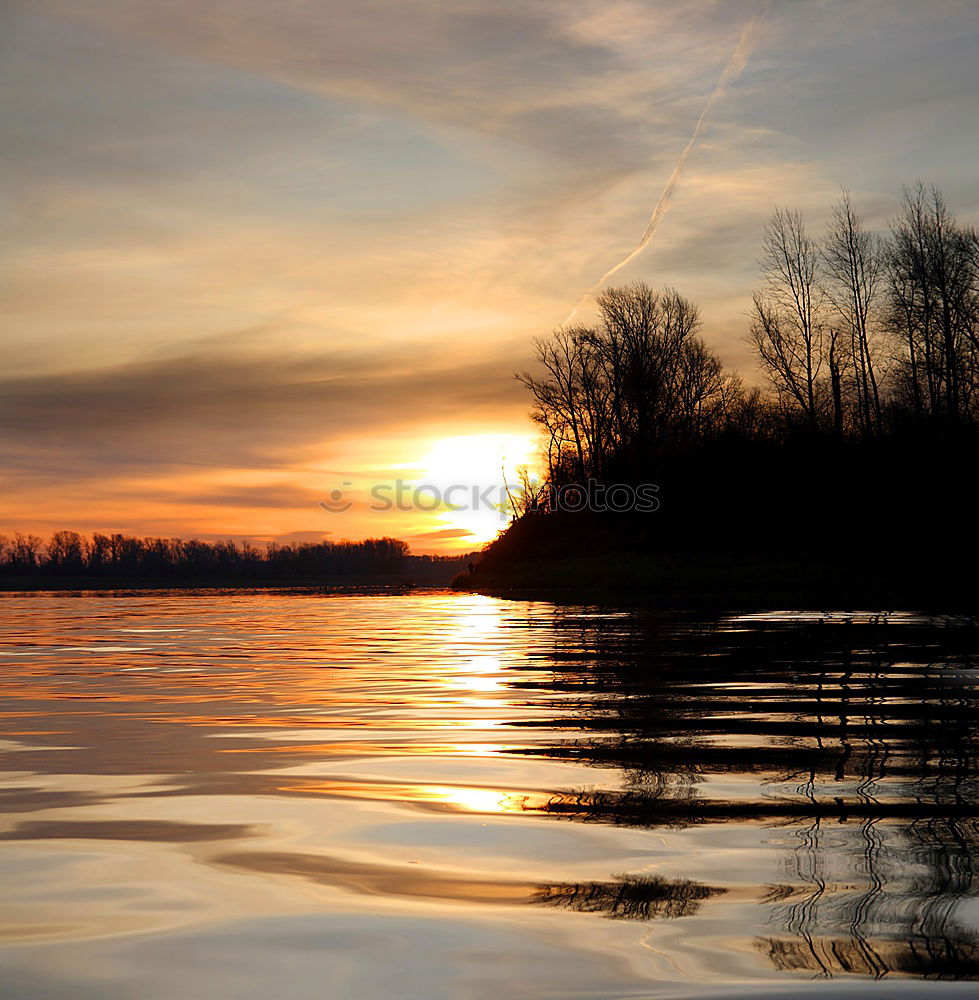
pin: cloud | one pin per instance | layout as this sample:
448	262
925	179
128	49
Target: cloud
592	90
278	496
443	534
297	537
220	406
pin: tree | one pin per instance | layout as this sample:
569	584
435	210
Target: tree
614	397
66	551
853	266
24	552
787	328
560	393
934	306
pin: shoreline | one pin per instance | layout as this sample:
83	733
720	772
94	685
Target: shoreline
725	583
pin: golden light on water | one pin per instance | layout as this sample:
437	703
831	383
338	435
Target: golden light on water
480	800
455	798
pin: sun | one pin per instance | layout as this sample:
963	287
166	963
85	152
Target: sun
479	457
470	467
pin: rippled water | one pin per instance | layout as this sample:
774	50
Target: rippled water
437	795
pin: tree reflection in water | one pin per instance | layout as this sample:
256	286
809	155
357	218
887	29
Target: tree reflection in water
859	735
629	898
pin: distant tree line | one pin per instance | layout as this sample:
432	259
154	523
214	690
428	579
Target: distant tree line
67	554
869	420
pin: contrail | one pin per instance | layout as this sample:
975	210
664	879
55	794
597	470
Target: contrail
733	69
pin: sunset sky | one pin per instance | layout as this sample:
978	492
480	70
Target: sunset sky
259	249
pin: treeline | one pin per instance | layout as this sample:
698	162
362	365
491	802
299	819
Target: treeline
67	554
866	432
858	335
867	333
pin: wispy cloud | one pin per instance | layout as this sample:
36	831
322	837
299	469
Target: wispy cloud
734	67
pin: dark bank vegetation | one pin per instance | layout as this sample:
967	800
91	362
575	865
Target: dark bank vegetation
853	468
68	558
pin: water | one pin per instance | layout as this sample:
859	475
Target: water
435	795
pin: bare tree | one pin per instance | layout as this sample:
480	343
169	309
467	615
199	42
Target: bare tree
787	329
558	393
645	346
25	551
853	266
66	550
934	305
615	395
531	495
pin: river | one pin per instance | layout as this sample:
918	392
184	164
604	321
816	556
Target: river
291	795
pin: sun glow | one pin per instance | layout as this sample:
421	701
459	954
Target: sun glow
479	458
472	467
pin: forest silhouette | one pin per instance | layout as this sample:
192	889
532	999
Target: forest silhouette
68	558
860	450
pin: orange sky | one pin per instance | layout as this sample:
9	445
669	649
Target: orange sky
256	251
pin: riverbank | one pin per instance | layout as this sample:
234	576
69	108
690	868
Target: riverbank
672	582
537	559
